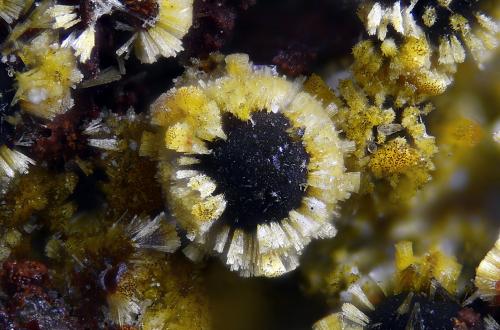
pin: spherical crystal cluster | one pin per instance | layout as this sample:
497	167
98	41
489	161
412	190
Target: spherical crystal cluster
252	166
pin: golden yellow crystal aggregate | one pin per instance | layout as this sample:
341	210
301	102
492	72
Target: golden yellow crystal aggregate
391	143
44	90
190	115
404	73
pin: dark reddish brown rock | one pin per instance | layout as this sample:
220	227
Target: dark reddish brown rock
146	9
30	303
213	25
468	319
295	60
62	140
18	276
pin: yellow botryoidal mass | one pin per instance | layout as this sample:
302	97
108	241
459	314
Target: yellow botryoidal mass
487	278
391	142
204	121
404	72
395	157
414	277
44	89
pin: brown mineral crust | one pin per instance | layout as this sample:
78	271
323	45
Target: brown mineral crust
87	297
213	25
107	41
139	88
90	69
86	12
130	95
18	276
145	9
297	36
62	139
30	303
468	319
295	60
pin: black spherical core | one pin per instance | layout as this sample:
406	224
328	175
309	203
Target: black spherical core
421	312
261	168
